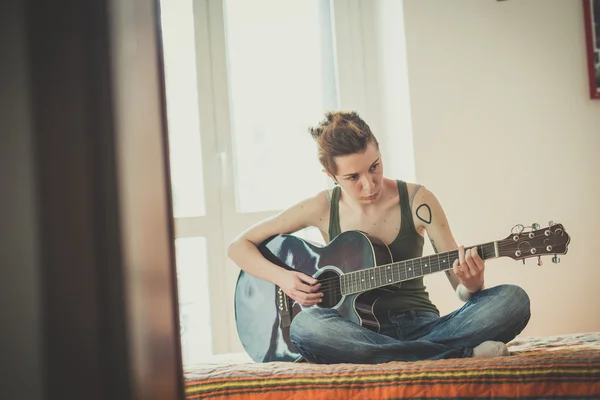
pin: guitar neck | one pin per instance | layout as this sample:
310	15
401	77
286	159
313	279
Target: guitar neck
372	278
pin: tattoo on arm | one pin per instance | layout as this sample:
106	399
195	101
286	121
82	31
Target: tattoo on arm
424	216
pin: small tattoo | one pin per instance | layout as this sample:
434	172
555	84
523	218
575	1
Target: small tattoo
428	216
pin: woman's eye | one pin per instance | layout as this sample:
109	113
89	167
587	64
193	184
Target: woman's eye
374	167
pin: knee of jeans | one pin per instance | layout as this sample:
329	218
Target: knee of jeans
305	326
517	299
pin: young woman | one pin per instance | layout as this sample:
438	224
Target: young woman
400	214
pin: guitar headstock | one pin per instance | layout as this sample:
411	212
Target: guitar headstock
531	241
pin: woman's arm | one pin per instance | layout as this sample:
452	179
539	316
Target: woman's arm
428	214
244	253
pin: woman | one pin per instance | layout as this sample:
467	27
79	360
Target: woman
400	214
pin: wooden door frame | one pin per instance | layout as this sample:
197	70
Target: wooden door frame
88	203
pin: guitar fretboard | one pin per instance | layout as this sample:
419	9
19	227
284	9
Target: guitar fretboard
372	278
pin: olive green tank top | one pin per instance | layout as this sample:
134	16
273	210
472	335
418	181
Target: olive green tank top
412	295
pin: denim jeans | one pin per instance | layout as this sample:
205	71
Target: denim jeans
322	335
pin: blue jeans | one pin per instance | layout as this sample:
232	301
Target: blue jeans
322	335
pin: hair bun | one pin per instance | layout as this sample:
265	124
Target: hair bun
340	133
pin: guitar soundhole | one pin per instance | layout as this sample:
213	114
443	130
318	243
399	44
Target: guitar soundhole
330	287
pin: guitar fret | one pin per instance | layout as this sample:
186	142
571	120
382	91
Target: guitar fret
376	280
346	283
359	285
373	279
370	278
349	283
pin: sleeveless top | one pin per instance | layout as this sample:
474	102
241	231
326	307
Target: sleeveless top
411	295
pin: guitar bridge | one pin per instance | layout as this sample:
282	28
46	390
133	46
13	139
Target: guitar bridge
283	308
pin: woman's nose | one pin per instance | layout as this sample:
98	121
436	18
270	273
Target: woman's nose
368	182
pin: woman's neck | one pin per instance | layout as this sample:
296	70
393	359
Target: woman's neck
368	209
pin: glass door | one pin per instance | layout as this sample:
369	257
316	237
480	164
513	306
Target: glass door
195	190
245	79
280	80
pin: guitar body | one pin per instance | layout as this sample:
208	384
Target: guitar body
264	313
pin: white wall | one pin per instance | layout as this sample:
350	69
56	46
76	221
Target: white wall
505	133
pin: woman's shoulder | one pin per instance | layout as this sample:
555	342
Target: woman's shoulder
414	187
317	205
411	187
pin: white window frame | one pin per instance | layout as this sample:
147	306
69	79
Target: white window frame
368	81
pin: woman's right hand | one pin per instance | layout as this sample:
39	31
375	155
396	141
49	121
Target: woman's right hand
300	287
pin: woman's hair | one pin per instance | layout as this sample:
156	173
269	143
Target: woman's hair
339	134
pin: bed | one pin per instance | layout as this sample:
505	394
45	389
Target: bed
564	367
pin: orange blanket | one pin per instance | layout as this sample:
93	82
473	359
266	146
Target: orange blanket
565	366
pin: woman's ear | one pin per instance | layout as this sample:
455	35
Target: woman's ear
331	176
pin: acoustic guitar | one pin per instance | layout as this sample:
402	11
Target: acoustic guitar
354	271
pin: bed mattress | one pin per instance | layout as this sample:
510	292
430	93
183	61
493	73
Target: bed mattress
566	366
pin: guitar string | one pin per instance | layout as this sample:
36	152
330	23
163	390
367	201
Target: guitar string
405	271
502	244
334	285
394	265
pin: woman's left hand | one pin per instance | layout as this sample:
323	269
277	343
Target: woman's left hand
469	268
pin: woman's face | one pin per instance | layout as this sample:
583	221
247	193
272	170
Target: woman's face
361	174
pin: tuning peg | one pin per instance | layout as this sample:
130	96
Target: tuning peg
535	226
555	259
518	229
550	223
540	263
523	261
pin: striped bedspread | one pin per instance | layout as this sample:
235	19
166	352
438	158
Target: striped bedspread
565	366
